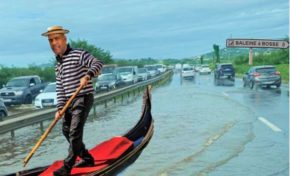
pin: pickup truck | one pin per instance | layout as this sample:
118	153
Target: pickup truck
21	90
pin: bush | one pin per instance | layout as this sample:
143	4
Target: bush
276	57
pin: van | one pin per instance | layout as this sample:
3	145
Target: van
161	68
152	70
128	74
110	68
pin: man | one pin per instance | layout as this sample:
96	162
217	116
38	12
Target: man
74	67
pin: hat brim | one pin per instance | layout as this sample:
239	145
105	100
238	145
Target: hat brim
58	31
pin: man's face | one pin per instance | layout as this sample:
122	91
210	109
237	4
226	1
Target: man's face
57	43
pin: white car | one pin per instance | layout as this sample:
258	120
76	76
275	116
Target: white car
47	98
204	70
142	74
187	72
197	68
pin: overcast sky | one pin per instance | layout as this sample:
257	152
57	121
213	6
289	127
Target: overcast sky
137	28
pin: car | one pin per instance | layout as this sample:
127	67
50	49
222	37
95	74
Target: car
197	68
128	74
204	70
187	72
3	110
142	74
260	76
106	82
21	90
161	68
152	70
110	68
47	98
224	71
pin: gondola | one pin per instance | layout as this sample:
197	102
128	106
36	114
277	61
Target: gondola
114	155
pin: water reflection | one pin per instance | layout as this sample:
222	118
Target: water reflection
264	94
191	125
224	82
187	80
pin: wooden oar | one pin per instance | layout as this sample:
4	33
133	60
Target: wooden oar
45	134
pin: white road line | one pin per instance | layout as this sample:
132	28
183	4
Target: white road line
269	124
225	94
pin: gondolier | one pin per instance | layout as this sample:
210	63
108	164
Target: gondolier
112	156
74	68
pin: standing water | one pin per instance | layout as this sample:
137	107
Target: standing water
196	132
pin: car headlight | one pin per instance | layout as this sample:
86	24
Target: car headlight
20	92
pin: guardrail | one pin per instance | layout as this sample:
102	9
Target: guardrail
10	125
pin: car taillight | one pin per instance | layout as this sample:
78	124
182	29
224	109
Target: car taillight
256	74
277	73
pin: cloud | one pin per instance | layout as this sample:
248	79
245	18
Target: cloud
135	29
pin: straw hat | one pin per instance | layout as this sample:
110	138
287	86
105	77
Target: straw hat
55	30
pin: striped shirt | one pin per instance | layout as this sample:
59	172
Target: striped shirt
71	67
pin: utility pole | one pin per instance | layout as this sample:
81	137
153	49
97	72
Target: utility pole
251	56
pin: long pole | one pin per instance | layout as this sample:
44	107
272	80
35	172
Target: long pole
45	134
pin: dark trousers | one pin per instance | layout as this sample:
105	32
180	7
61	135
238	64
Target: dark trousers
73	127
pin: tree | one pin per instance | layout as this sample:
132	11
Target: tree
216	52
201	60
46	73
99	53
137	62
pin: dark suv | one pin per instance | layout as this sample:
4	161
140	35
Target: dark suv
265	75
223	72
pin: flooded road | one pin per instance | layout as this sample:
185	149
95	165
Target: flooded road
200	130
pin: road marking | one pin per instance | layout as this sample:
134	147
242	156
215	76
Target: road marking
269	124
225	94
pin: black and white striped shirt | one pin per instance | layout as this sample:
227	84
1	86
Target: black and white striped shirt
71	67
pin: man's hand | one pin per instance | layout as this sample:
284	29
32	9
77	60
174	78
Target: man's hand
57	115
84	80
